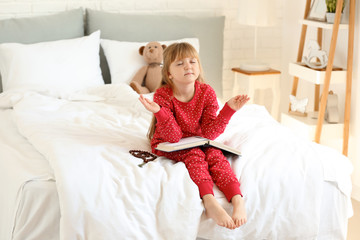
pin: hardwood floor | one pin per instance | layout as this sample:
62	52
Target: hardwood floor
354	222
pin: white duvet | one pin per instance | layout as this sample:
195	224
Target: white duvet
104	194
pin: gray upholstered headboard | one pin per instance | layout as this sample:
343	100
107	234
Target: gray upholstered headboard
144	28
124	27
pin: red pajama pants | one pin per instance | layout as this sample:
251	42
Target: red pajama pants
206	166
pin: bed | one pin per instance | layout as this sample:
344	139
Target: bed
65	135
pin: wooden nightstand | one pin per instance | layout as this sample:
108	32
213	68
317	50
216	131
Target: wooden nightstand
246	82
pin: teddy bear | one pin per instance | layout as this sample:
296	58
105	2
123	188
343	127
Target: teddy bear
148	78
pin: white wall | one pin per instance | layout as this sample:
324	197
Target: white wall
293	11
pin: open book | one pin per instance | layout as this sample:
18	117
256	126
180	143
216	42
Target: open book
190	142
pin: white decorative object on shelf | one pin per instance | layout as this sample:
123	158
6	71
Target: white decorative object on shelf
331	10
315	53
298	105
332	111
317	10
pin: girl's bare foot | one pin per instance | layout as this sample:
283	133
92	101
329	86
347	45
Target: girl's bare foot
215	211
239	211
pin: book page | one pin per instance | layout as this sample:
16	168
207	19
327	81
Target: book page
225	147
187	140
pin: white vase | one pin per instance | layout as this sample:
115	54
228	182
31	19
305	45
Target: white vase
330	17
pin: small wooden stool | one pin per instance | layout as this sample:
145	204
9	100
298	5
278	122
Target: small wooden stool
246	82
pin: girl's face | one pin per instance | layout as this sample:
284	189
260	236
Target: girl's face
184	71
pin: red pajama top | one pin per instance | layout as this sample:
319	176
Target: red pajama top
198	117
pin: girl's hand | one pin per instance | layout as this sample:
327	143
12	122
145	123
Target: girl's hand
149	105
238	102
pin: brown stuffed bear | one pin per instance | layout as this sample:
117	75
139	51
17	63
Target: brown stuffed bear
148	78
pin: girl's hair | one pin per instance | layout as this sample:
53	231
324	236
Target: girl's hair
175	51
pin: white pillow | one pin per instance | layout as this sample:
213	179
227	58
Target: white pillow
59	67
124	59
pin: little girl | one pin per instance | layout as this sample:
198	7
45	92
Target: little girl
185	106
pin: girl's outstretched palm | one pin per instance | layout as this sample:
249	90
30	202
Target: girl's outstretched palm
149	105
238	101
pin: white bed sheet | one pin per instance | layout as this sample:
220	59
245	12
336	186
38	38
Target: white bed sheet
293	188
38	212
284	179
20	163
103	194
334	212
